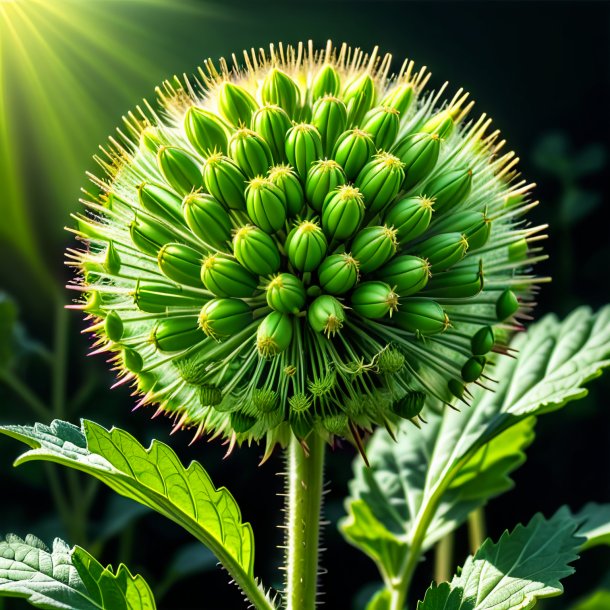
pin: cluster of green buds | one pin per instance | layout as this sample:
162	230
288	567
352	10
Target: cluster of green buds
305	245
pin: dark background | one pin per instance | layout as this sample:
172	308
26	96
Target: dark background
542	71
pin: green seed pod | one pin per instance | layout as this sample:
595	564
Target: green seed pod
410	216
180	170
456	388
373	247
407	274
303	147
440	124
456	284
256	250
359	97
156	298
181	264
449	189
473	368
443	250
207	219
342	212
205	131
225	277
421	316
113	327
330	118
482	341
374	300
224	317
379	181
399	98
279	89
517	251
225	181
160	201
419	152
132	360
265	205
151	140
352	151
274	334
506	305
382	123
272	123
149	235
235	104
338	273
112	260
323	177
410	405
176	334
306	246
326	82
326	315
250	151
286	293
284	177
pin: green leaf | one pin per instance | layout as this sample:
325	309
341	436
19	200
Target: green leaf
598	600
155	478
64	579
525	565
425	484
595	526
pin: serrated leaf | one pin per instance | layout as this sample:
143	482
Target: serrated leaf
65	579
525	565
595	525
425	484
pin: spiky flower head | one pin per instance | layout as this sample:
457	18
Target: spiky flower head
304	245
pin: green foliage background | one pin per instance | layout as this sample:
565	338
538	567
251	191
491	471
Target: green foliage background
70	68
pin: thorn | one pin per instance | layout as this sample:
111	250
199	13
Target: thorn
358	441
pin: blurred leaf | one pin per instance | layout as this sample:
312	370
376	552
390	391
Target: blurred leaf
381	601
191	559
8	320
589	160
598	600
120	513
576	204
525	565
596	525
551	153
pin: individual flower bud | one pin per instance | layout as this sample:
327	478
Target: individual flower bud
326	315
156	298
410	216
272	123
352	151
265	205
264	400
517	251
250	151
274	334
225	277
149	235
181	264
379	181
206	131
374	300
390	361
406	274
336	424
421	316
400	98
235	104
303	147
441	124
180	170
456	284
326	82
474	225
284	177
473	368
221	318
151	140
419	153
506	305
324	176
241	422
449	189
482	341
359	97
112	260
443	250
207	219
225	181
373	247
132	360
279	89
456	388
306	246
329	116
210	396
256	250
113	327
338	273
176	334
286	293
410	405
343	212
160	201
299	417
382	123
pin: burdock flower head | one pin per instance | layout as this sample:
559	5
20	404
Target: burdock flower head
304	245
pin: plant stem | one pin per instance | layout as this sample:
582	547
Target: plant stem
305	483
28	397
443	559
60	361
476	529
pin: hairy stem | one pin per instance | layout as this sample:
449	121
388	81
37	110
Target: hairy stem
305	483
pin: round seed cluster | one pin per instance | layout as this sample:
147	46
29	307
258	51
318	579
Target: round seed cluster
305	244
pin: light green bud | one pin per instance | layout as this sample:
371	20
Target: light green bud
399	98
474	225
323	177
181	264
151	140
419	152
342	212
406	274
160	201
286	293
373	247
506	305
326	315
250	151
132	360
284	177
338	273
410	216
279	89
374	300
473	368
176	334
326	82
482	341
149	235
352	151
256	250
456	284
207	219
421	316
272	123
235	104
441	124
180	170
306	246
303	147
225	277
330	118
205	131
443	250
274	334
113	327
222	318
379	181
382	123
225	181
359	97
449	189
112	260
517	251
265	205
151	297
